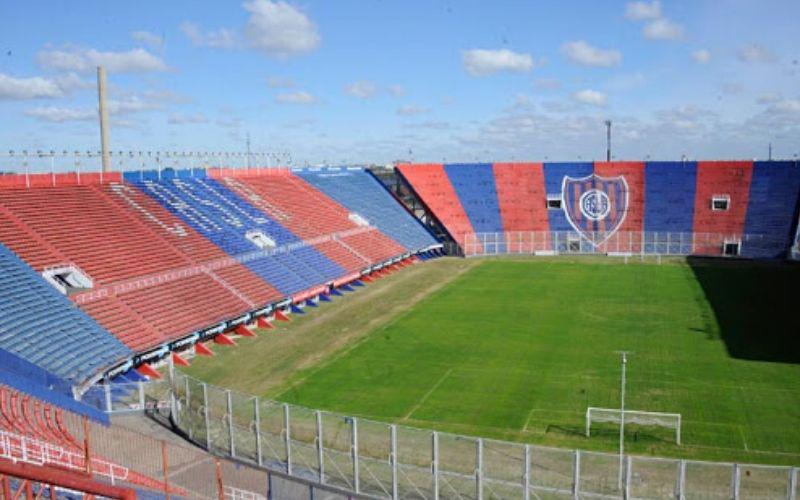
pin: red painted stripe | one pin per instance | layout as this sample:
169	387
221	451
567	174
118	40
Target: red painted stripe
433	186
523	204
730	178
633	173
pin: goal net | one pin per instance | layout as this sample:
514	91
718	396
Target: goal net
651	418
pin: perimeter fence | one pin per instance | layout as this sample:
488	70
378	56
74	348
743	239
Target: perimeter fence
381	460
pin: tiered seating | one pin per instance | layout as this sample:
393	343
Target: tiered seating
432	186
360	192
633	218
311	215
33	430
475	187
80	225
193	245
729	178
773	201
42	326
521	195
218	214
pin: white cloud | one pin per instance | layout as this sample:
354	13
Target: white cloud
182	119
702	56
87	60
298	97
59	115
582	53
28	88
222	38
791	106
362	89
397	90
278	29
663	29
411	110
589	96
640	11
483	62
129	104
280	82
754	53
150	39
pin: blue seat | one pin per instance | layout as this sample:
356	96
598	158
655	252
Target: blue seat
225	218
43	327
360	192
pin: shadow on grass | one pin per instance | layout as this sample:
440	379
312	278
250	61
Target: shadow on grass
756	306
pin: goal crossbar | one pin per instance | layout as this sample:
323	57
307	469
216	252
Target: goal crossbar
652	418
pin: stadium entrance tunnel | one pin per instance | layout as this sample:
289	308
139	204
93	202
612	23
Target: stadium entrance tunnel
753	307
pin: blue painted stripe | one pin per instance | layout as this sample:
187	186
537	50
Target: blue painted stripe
669	196
475	187
772	209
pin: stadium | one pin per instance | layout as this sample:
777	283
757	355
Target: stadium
213	325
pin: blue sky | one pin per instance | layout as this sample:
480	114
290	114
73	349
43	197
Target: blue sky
376	81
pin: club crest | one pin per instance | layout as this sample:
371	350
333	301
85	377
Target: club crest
595	206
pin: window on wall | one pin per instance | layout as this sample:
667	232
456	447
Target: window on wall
554	202
720	202
731	248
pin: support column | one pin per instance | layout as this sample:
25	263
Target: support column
354	452
229	405
526	472
320	448
287	438
205	416
576	474
680	493
393	459
435	463
257	416
479	469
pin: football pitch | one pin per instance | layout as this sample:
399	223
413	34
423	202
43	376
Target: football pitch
518	349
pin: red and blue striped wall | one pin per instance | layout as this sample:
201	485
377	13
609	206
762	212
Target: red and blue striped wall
663	197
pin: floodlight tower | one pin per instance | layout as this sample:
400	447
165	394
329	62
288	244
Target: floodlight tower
622	419
101	98
608	140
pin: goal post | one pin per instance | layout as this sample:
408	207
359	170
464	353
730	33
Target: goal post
650	418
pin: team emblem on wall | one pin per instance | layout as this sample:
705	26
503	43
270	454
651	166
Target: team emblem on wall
595	206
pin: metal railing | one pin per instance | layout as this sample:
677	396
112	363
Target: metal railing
619	242
381	460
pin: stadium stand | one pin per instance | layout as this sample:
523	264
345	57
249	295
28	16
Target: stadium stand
29	427
773	208
673	207
312	216
40	325
217	213
431	185
360	192
83	228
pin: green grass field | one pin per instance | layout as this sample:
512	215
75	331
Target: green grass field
517	349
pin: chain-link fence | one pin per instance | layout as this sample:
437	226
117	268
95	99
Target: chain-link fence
377	459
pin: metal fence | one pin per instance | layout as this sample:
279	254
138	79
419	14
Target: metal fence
377	459
145	463
619	242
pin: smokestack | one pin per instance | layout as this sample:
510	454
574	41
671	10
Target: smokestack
101	96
